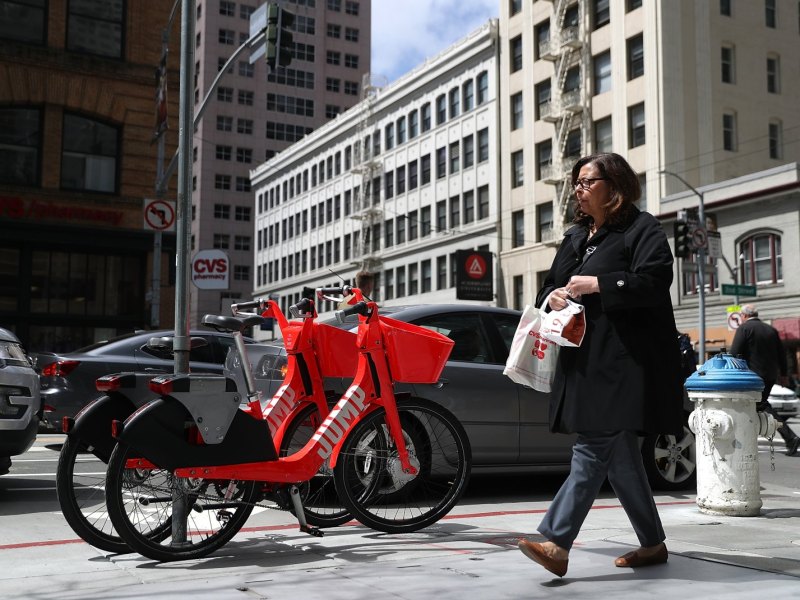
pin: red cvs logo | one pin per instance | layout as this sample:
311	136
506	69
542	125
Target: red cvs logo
539	346
207	265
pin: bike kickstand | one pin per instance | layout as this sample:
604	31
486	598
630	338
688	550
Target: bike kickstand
294	494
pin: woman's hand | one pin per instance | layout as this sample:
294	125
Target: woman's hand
578	285
558	299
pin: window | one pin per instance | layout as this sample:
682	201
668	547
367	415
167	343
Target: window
441	163
544	222
335	5
388	185
222	211
401	179
455	212
455	157
401	130
426	117
441	272
20	141
468	144
351	8
518	292
517	228
242	213
761	261
222	182
543	92
636	125
224	123
517	169
441	215
775	139
769	16
246	69
483	145
351	34
729	132
469	206
632	5
425	168
351	61
516	111
413	279
725	8
602	72
441	109
334	58
225	94
400	281
603	136
334	31
483	87
244	126
426	276
245	98
388	233
601	15
455	98
635	49
95	28
388	136
483	202
221	241
89	155
332	84
541	37
468	95
413	124
574	146
24	21
773	74
425	221
227	9
572	81
413	226
515	6
515	51
226	37
241	272
728	58
223	152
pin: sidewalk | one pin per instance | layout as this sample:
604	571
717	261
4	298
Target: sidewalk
470	554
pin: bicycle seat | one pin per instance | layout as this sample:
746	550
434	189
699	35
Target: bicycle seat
230	324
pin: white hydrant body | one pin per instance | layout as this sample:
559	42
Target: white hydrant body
727	427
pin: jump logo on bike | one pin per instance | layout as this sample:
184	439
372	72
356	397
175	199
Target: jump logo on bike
339	420
280	406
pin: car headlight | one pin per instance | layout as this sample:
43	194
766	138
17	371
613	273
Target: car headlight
272	366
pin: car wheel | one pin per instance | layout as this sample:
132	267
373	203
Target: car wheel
670	461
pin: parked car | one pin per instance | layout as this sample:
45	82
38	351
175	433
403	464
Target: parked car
507	423
784	401
20	401
68	380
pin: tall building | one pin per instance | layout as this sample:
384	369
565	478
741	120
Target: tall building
395	186
705	91
255	113
78	168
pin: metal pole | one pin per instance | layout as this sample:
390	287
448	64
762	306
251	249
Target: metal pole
184	221
701	268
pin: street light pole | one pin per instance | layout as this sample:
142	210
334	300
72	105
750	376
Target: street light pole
701	266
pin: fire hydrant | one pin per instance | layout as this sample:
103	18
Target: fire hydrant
726	426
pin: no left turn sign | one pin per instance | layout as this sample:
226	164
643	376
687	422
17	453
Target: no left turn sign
159	215
734	320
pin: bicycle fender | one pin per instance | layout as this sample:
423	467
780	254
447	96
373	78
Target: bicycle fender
370	409
93	424
163	432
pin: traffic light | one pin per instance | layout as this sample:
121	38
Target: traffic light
683	239
280	43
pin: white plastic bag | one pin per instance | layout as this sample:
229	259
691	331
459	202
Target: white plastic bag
532	358
565	327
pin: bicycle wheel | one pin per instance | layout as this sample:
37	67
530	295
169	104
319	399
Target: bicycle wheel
140	500
372	485
80	486
321	503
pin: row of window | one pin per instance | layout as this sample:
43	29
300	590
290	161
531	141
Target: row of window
335	31
772	70
463	209
90	150
403	129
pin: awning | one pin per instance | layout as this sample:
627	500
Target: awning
788	328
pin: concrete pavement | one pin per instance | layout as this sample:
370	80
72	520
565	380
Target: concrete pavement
470	554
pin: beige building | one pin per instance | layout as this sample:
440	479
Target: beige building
706	90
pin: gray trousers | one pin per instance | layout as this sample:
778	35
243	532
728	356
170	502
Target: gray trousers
595	456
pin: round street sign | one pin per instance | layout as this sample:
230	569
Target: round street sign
159	215
734	320
699	237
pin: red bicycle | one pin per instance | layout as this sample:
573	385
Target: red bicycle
399	463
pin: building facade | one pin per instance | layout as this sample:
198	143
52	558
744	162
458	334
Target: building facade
255	113
704	91
394	186
77	168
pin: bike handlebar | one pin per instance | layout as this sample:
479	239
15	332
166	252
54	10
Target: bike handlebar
242	306
361	308
304	308
341	290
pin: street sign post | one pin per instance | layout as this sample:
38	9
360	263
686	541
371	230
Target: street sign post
738	289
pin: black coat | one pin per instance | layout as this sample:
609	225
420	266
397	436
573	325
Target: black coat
626	373
760	345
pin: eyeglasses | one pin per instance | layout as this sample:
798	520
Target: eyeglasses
586	182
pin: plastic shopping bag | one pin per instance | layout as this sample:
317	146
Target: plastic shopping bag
532	358
565	327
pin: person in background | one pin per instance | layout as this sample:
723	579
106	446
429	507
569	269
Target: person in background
624	380
760	345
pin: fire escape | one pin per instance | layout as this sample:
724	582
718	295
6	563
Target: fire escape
366	204
567	48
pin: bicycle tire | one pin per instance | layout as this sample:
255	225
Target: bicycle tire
438	447
82	497
134	496
321	504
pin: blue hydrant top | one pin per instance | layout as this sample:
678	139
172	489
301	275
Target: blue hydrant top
724	372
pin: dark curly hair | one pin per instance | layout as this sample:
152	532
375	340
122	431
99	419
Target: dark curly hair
622	180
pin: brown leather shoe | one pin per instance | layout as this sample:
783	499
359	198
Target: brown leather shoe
636	559
536	553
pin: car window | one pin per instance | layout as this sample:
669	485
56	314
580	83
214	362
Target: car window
465	330
506	326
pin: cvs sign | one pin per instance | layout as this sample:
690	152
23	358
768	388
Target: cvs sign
211	270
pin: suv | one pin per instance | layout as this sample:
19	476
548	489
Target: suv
19	400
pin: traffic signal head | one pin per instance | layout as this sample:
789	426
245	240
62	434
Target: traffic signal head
280	44
683	239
